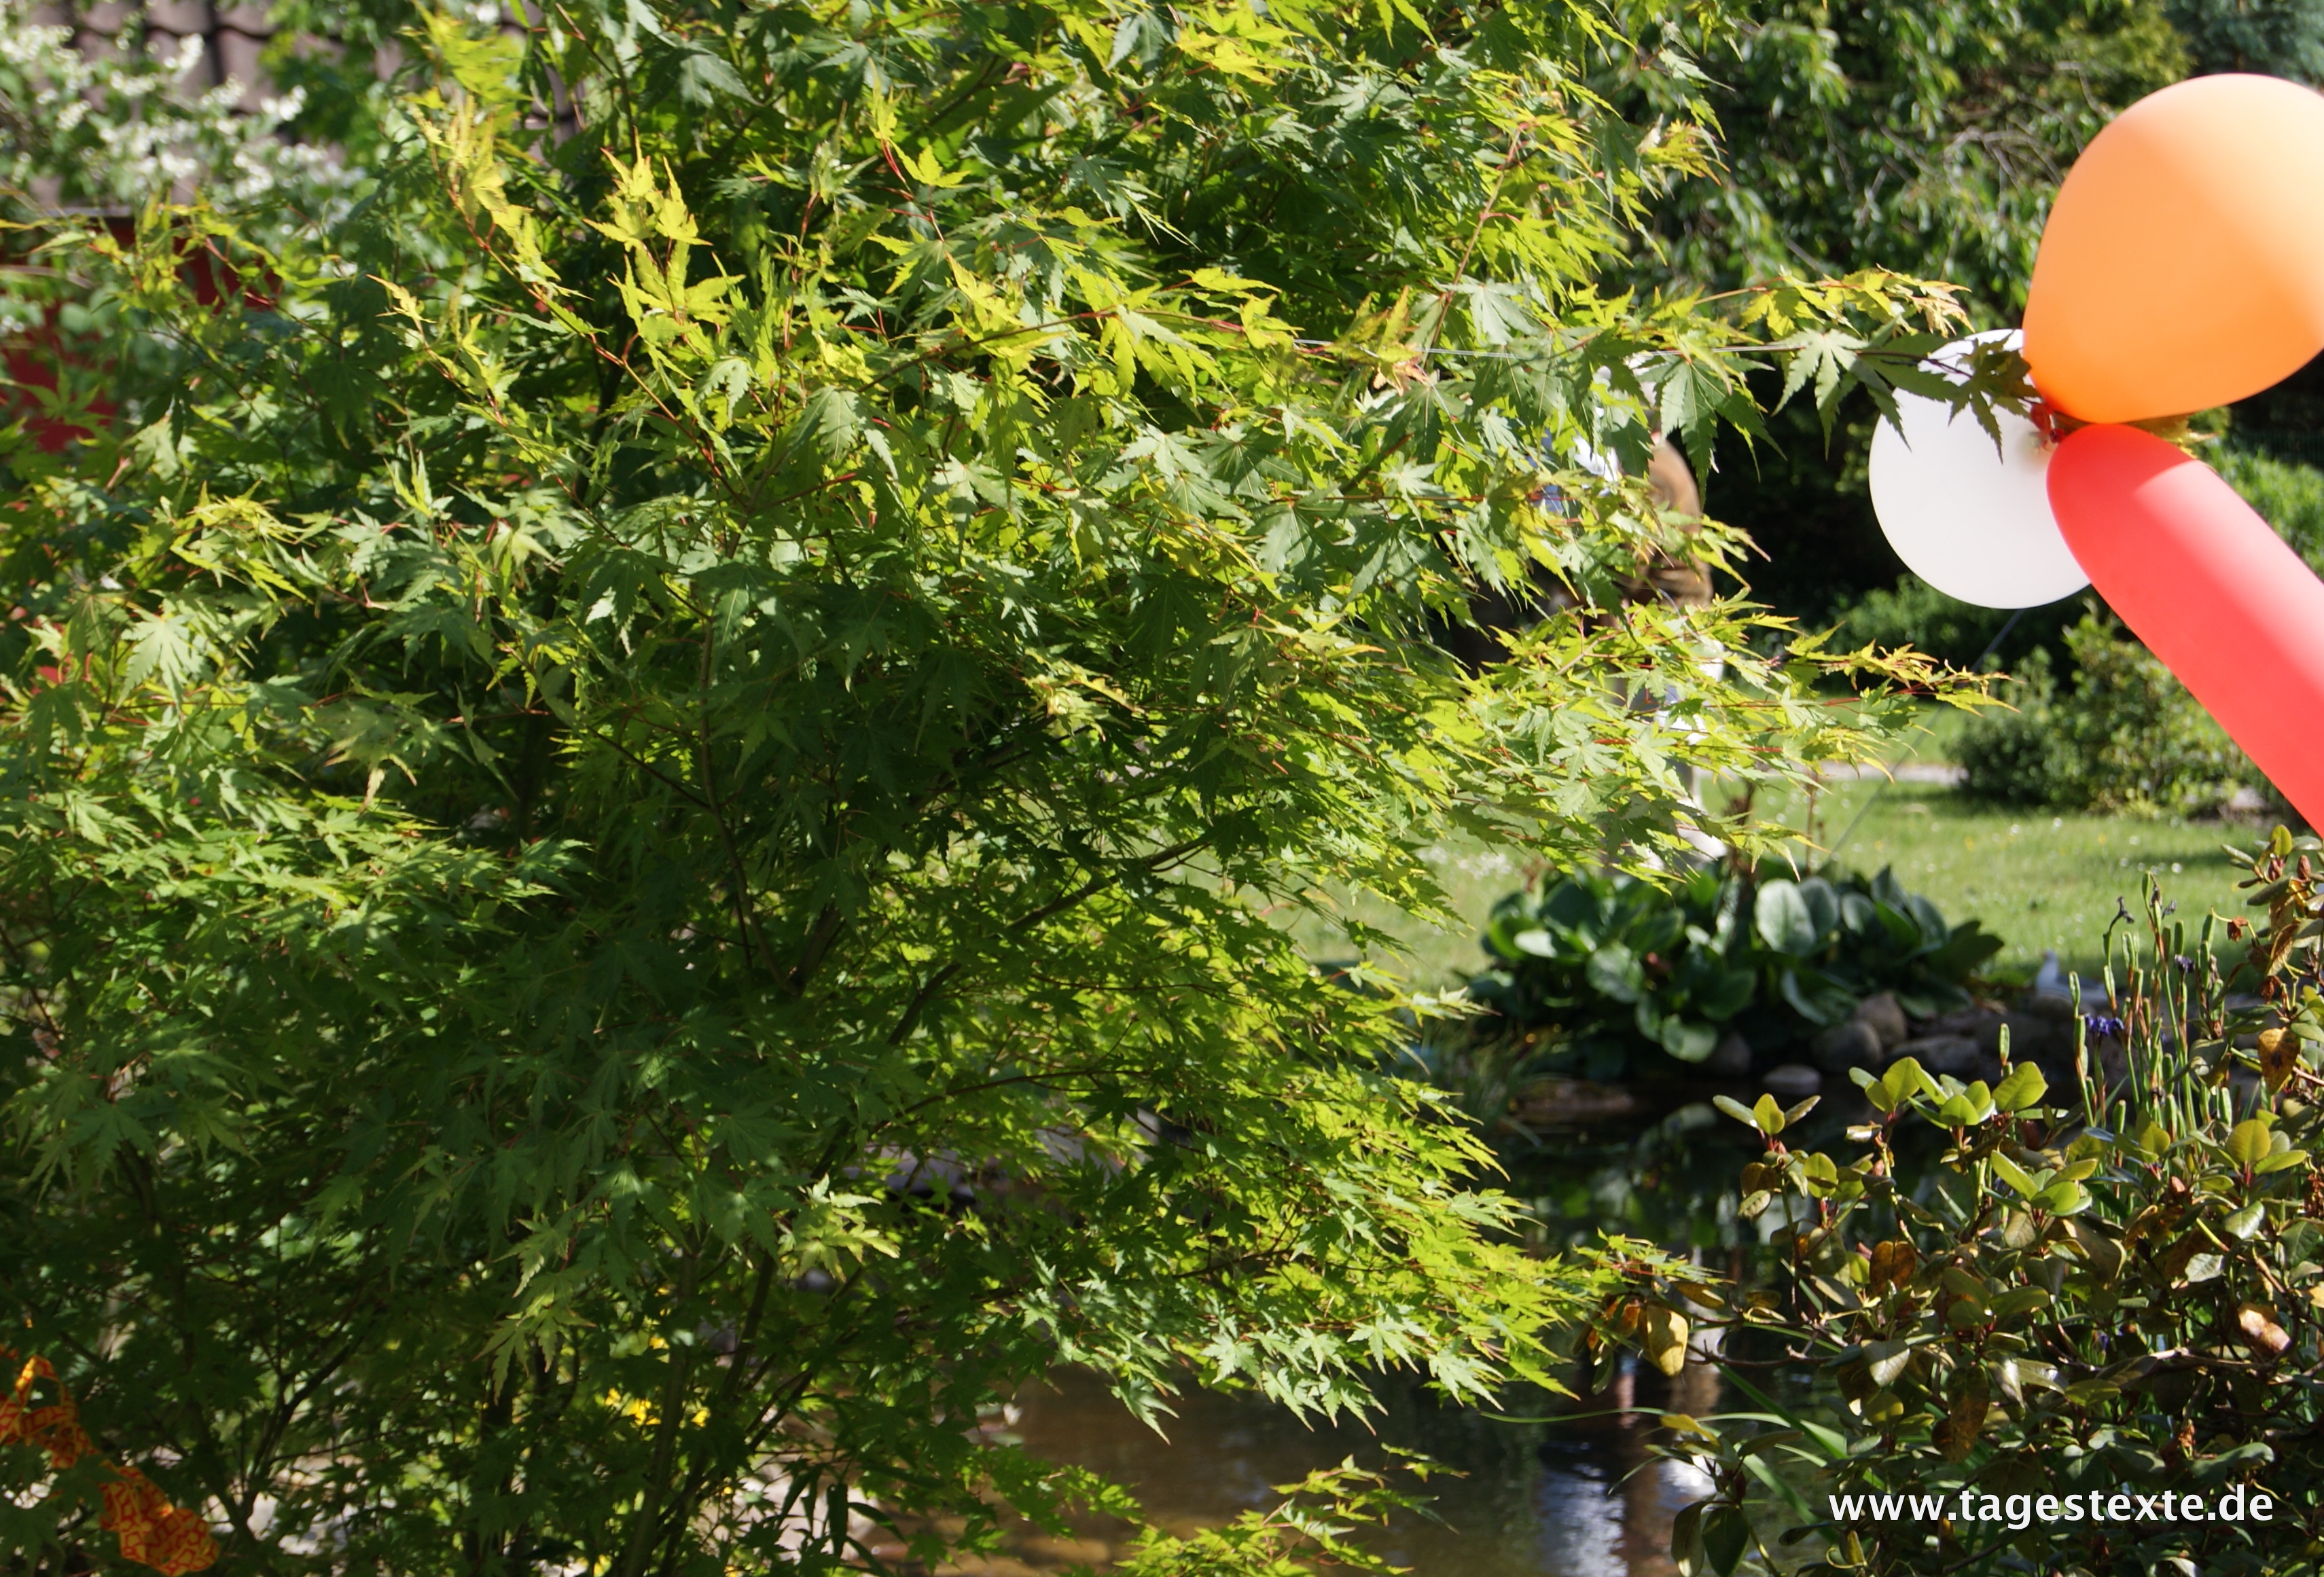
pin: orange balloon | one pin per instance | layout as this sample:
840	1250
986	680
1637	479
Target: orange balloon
2182	265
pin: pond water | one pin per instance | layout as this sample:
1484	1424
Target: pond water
1572	1492
1572	1498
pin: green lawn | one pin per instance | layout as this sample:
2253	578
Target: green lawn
2041	881
1473	879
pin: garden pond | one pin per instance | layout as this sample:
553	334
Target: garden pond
1566	1487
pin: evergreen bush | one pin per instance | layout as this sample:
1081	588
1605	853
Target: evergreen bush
2123	736
2018	1294
2288	494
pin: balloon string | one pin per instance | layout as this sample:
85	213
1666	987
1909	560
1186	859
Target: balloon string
1994	645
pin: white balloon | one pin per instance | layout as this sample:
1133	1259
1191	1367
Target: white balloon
1971	521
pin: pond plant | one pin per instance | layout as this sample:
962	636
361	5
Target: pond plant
644	761
1622	974
2086	1335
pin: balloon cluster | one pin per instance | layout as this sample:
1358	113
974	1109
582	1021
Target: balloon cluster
2182	268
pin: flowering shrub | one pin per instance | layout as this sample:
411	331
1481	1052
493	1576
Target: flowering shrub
114	132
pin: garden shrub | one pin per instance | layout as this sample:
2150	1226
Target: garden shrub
2288	495
2123	736
1626	974
2112	1289
2020	756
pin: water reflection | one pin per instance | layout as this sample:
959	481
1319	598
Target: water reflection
1576	1497
1669	1179
1574	1493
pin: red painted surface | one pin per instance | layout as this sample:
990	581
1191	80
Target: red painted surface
2209	587
32	360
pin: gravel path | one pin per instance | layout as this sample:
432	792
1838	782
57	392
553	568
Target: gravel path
1944	772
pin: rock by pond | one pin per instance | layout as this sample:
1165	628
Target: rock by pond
1791	1081
1852	1044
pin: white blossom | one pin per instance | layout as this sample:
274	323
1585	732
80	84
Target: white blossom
115	131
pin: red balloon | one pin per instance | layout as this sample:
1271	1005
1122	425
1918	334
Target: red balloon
2210	588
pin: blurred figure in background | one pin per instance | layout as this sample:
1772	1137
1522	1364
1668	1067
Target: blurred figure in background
1681	582
1678	582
